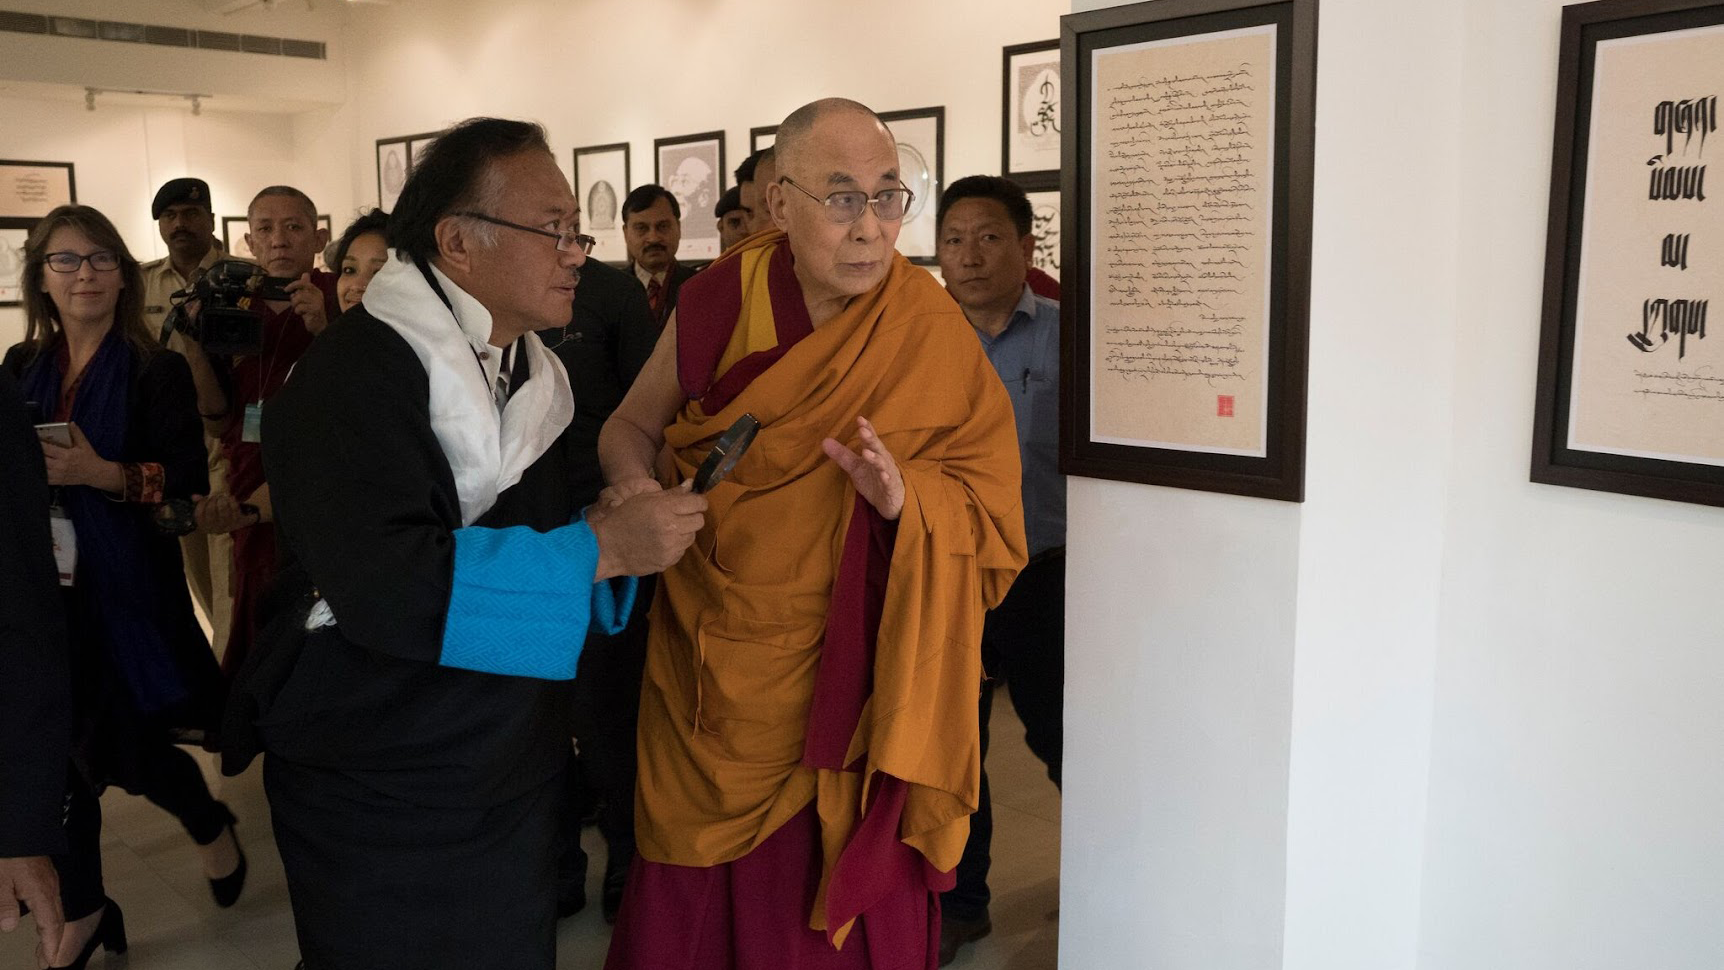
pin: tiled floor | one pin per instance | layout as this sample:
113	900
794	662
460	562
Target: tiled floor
152	871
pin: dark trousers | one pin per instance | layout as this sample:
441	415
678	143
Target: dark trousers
608	692
152	766
1023	646
379	882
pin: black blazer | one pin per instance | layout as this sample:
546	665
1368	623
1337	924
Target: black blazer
674	278
35	699
162	426
606	345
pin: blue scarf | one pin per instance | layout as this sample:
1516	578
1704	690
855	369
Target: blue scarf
112	536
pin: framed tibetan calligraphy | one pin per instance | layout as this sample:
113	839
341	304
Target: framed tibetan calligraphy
1630	384
1186	173
1030	114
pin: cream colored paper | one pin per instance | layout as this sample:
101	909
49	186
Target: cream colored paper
32	191
1648	377
1182	168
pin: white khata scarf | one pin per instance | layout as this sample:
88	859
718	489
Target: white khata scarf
487	451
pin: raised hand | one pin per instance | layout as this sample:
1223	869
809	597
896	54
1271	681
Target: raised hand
874	471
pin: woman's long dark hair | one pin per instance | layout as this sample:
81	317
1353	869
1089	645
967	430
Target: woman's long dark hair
42	317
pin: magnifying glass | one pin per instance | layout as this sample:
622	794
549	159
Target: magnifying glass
726	453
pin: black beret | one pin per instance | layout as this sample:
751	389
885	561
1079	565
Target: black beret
180	191
730	201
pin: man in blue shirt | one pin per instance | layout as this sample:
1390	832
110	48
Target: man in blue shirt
984	249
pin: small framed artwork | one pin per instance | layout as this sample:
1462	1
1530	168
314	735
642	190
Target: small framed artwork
1045	226
761	137
328	226
30	190
692	168
1630	380
416	145
13	234
921	137
233	230
601	184
1030	114
394	158
1187	305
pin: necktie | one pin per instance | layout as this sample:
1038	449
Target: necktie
655	296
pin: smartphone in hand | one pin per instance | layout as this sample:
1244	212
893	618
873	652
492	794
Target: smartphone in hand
58	432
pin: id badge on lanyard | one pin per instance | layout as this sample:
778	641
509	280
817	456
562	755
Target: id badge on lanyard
252	429
65	544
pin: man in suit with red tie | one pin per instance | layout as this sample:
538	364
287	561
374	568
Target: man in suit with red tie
652	230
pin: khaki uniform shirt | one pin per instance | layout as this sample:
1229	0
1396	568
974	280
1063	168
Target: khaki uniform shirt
162	281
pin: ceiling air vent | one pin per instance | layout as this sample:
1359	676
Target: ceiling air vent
17	22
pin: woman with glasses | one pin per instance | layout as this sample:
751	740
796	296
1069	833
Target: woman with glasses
124	453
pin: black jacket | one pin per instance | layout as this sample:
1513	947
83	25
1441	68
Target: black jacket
35	699
607	343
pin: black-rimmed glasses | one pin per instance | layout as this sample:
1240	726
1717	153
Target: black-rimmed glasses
102	261
568	240
847	206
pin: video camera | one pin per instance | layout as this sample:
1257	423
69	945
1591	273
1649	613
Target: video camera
225	322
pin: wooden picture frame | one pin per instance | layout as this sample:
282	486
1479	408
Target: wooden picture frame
691	167
1630	389
1029	114
921	137
602	181
1186	276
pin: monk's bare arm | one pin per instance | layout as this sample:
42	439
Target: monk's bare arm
630	441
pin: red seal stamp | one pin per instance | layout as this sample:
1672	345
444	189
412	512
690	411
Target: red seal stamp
1224	405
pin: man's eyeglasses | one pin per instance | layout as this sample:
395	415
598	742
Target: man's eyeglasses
102	260
846	207
568	240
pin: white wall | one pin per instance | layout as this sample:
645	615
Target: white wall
1577	782
606	71
1503	742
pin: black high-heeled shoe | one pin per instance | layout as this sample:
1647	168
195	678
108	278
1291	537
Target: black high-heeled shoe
226	889
110	935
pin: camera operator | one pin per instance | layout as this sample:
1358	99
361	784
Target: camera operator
285	240
185	217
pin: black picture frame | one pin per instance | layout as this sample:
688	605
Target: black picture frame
30	196
20	211
396	150
1554	461
757	134
697	197
920	132
1031	179
601	215
1279	473
234	241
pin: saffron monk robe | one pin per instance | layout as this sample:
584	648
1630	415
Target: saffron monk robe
808	740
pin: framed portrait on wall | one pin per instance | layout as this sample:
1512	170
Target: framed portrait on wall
762	137
416	146
691	167
1045	226
1030	114
1186	245
30	190
921	137
233	230
601	184
13	234
1630	380
327	224
394	157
